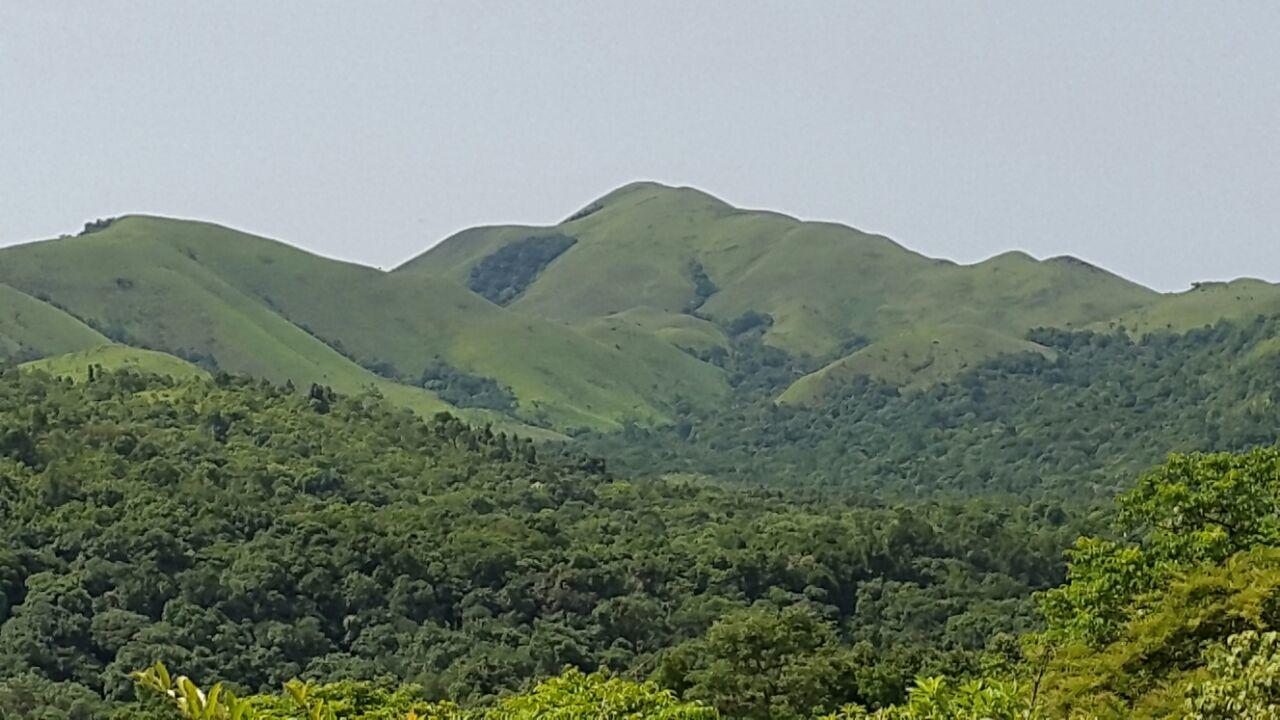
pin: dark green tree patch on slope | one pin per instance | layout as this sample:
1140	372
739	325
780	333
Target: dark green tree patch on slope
465	390
703	287
502	276
98	225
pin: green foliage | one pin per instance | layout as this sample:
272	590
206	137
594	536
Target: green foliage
703	287
502	276
1195	510
249	534
1141	625
466	390
1158	655
1177	619
1103	579
192	703
31	696
768	663
574	695
939	698
365	700
1081	424
1205	508
1242	680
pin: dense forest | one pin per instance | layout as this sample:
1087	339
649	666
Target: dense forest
1079	424
249	533
303	554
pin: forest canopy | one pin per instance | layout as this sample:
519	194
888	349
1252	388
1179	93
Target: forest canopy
1078	425
251	534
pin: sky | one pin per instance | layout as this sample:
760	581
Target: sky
1142	137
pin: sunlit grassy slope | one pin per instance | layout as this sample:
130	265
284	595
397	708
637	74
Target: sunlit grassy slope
823	284
914	358
608	331
260	307
113	356
33	328
1203	305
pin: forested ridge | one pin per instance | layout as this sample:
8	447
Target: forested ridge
1174	615
250	533
1079	424
304	554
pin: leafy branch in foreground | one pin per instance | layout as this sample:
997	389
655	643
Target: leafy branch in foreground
192	702
571	696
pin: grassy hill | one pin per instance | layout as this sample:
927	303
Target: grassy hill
622	313
1203	305
662	253
248	305
33	328
116	357
915	358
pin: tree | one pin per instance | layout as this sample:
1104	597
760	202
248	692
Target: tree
939	698
765	663
575	695
1242	681
1196	509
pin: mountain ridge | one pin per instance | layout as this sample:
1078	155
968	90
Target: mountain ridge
615	315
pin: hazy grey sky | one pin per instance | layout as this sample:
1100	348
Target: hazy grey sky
1144	137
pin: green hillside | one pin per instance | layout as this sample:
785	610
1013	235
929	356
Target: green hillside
822	283
244	304
915	358
30	328
116	357
637	309
137	285
660	251
1075	413
1203	305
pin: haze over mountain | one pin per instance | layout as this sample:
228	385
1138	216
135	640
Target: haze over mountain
618	314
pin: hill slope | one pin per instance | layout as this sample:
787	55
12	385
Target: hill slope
630	311
914	358
249	305
32	328
1203	305
675	251
115	357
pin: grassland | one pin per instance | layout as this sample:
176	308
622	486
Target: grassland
112	356
607	331
1203	305
822	284
33	328
250	305
914	358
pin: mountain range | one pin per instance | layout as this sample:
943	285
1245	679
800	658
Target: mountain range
618	315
